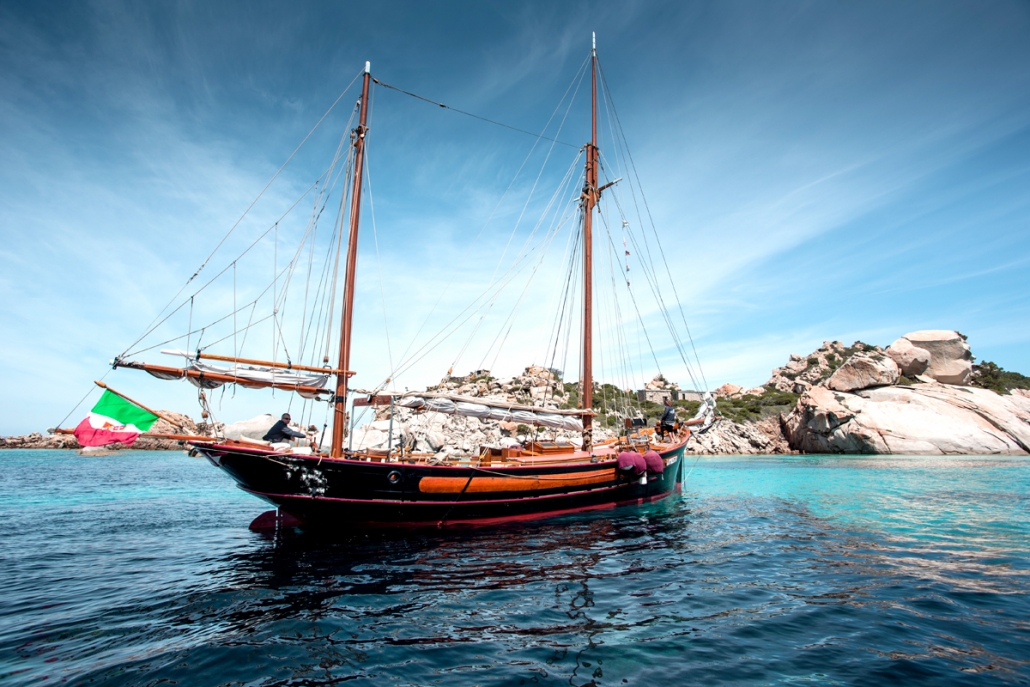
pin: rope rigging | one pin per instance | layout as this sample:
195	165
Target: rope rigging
512	276
469	114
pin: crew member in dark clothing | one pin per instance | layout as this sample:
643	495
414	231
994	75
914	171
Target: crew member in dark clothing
666	424
281	431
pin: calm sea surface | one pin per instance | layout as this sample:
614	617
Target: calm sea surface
139	569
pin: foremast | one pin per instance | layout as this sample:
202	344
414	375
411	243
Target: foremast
589	201
347	317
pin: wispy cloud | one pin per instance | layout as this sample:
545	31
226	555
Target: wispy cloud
815	171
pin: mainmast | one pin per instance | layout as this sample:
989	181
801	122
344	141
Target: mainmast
346	320
589	201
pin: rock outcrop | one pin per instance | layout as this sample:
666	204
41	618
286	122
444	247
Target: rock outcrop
727	391
951	361
443	435
912	361
741	438
864	370
918	419
803	372
855	400
183	424
37	440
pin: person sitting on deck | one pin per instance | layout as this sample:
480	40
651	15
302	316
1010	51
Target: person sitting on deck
668	421
281	431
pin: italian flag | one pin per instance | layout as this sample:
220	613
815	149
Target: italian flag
113	420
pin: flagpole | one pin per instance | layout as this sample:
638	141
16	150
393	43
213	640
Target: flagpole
174	423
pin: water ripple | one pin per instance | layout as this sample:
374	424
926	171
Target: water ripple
139	570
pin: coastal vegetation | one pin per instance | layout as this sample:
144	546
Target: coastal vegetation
749	407
988	375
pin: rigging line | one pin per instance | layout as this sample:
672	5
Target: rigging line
341	215
557	223
91	389
464	258
486	297
651	278
250	304
556	328
190	330
558	294
639	318
307	281
247	250
321	297
322	294
246	330
432	343
469	114
336	265
627	373
654	229
233	335
375	240
514	313
212	280
253	203
536	181
550	204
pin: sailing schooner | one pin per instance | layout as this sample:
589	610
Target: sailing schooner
340	485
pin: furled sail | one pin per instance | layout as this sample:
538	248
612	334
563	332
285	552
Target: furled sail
251	375
206	376
491	412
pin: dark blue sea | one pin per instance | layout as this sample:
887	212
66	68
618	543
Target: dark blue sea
139	569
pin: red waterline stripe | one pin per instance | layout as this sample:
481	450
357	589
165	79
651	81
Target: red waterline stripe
506	518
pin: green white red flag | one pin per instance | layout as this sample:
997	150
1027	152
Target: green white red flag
113	420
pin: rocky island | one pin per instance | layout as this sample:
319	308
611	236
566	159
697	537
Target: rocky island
923	394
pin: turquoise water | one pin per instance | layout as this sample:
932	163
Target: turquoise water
138	568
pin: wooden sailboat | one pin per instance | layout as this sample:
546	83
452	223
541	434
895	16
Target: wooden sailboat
360	487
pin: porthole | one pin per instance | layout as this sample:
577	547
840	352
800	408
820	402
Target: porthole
394	477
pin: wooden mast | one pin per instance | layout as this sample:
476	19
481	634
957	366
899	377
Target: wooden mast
589	201
346	320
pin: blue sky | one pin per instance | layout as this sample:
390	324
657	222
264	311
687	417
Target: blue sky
825	170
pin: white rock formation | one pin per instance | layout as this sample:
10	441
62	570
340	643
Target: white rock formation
748	438
864	370
950	359
918	419
254	428
727	390
803	372
911	360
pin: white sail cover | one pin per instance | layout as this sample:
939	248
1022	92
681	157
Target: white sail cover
491	412
706	411
260	375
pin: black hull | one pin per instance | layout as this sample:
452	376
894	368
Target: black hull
327	492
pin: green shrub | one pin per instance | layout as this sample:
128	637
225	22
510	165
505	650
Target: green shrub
988	375
748	408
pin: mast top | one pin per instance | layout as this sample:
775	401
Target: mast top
593	36
368	66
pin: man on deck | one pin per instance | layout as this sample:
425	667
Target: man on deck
666	424
281	431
